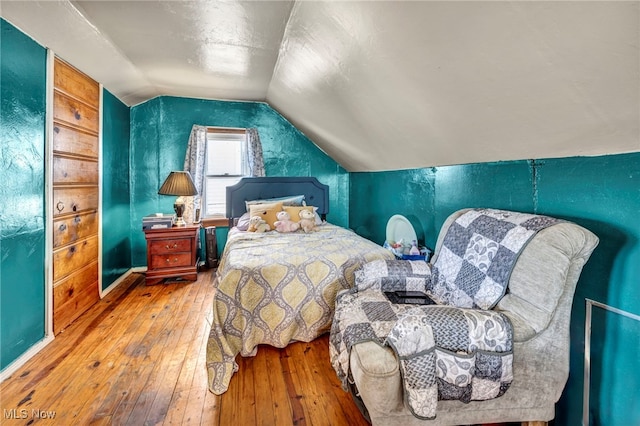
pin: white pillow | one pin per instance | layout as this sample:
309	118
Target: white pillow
289	200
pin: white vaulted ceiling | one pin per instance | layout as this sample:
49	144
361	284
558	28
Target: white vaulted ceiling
377	85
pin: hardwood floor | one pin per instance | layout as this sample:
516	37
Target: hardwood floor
138	357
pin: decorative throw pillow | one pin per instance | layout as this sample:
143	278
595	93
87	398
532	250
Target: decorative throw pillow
243	222
268	212
294	211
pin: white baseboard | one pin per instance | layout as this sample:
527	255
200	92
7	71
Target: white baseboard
37	347
122	277
22	359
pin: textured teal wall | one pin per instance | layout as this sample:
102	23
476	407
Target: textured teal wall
427	196
159	134
116	244
22	237
603	195
22	189
376	196
600	193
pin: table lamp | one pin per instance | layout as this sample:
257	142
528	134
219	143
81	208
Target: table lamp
180	184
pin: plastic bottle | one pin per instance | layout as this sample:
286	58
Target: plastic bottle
414	249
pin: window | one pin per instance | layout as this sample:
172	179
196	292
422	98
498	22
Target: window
226	164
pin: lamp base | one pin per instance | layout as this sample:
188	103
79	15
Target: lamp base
178	206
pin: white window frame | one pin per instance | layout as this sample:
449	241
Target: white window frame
223	177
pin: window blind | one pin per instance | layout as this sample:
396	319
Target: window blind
225	166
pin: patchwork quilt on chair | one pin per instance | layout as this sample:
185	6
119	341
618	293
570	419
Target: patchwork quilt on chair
444	352
458	349
478	253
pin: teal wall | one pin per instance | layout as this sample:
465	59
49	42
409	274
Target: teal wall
22	154
116	243
142	144
375	197
23	89
599	193
160	131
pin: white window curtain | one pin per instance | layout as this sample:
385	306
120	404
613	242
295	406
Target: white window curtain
254	154
194	163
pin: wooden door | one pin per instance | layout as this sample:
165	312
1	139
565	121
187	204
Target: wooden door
75	171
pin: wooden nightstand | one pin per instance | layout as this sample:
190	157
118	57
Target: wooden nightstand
172	253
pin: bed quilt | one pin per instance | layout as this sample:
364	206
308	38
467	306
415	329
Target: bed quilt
274	288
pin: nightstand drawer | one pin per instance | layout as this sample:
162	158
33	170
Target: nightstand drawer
170	246
170	260
172	253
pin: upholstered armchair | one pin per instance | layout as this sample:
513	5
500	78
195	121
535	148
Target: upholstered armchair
538	303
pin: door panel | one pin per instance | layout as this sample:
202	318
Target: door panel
74	200
68	80
70	258
68	230
67	288
75	113
69	170
76	194
74	141
74	295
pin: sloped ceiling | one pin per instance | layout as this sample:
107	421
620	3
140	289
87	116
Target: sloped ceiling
376	85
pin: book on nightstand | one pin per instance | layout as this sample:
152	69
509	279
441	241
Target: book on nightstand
157	221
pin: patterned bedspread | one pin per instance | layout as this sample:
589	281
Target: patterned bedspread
275	288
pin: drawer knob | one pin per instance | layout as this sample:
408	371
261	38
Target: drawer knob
169	260
60	206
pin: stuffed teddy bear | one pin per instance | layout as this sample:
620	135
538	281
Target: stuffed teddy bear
307	220
257	224
284	223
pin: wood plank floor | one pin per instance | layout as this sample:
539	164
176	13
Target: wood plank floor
138	357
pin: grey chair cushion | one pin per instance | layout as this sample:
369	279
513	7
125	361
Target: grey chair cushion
540	273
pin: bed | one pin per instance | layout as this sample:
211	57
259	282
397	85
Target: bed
275	288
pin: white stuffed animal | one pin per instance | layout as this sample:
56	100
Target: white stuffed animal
285	224
307	220
257	224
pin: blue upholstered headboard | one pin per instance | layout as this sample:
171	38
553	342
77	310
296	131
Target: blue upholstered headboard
259	188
